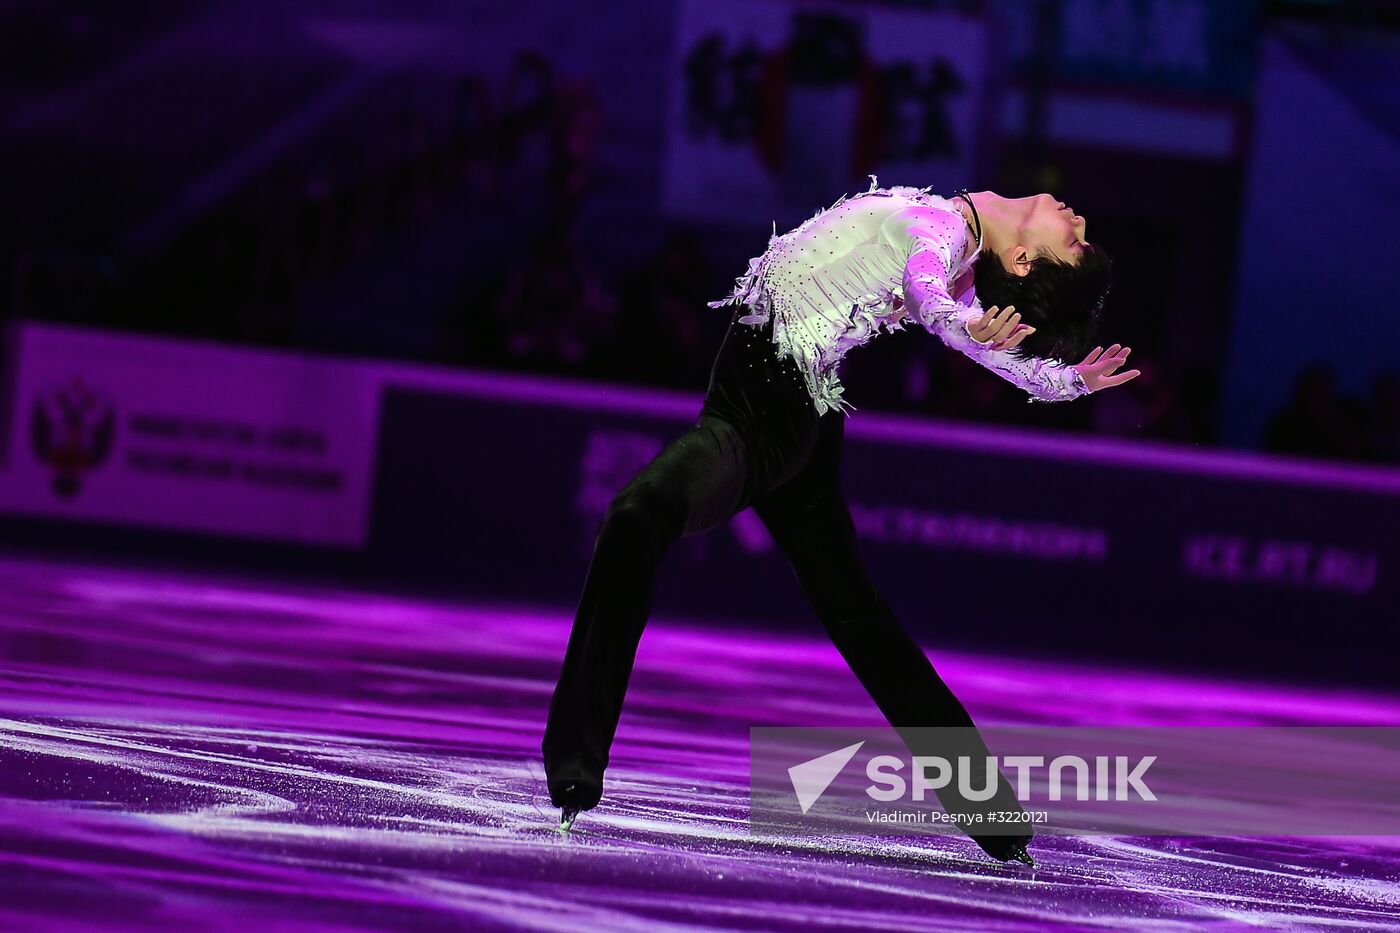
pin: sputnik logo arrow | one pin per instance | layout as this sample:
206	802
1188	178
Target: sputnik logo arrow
811	778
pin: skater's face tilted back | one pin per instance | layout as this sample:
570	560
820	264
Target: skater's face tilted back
1037	257
1021	230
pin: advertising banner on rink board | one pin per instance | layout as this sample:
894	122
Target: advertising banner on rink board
1018	540
777	108
182	435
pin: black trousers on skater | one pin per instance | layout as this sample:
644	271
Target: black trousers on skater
758	442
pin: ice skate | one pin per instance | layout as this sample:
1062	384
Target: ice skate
1019	853
1006	848
569	811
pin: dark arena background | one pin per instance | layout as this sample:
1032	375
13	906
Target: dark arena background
332	328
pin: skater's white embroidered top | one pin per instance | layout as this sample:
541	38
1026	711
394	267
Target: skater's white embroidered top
881	257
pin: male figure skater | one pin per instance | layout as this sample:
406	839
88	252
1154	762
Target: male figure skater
770	431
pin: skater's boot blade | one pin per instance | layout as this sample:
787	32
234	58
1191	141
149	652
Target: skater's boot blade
569	807
1005	848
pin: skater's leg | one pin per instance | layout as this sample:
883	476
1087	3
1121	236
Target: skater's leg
818	538
694	483
811	523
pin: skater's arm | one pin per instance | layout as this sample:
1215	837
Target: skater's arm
932	244
1042	379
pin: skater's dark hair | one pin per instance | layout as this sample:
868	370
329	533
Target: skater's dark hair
1063	302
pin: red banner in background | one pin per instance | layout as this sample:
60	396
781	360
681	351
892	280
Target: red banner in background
778	108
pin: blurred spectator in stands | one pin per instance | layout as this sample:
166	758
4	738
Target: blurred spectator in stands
666	335
554	309
1127	411
894	373
1199	401
574	143
270	271
302	227
472	137
308	217
963	390
1153	409
1384	418
1352	429
917	381
526	110
59	285
414	179
1316	422
365	207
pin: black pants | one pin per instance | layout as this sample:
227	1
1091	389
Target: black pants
758	441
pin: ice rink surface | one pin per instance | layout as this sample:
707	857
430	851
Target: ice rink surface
220	753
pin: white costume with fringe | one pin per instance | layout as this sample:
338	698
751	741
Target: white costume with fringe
881	257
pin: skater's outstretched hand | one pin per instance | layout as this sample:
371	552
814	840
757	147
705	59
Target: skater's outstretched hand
1097	368
1002	327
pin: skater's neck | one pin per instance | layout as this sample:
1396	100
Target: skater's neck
976	226
972	213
